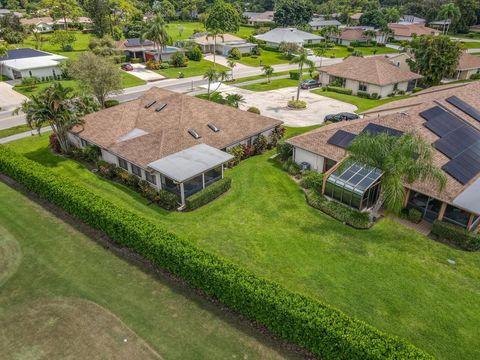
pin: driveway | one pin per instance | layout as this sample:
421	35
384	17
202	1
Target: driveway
274	104
9	98
141	72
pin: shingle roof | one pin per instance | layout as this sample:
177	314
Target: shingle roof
352	33
408	30
468	62
372	70
225	38
167	130
406	120
322	22
288	35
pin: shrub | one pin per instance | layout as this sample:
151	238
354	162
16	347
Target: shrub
107	170
340	90
291	167
91	153
208	194
312	180
164	65
237	152
417	89
178	59
310	323
248	150
54	144
136	60
254	110
350	49
152	64
363	94
294	75
195	53
375	96
297	104
30	83
475	77
260	144
414	215
284	151
256	51
349	216
167	199
235	54
111	102
457	235
401	92
316	76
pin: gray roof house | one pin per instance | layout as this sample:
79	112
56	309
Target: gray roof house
320	22
288	35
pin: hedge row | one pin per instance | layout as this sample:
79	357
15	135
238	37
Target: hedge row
460	236
339	90
352	217
323	330
208	194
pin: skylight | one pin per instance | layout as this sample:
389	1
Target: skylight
194	134
150	103
160	107
213	127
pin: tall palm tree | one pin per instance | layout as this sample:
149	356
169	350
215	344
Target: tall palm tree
369	34
330	30
213	34
234	100
212	76
402	159
267	71
231	64
450	12
302	60
3	54
156	31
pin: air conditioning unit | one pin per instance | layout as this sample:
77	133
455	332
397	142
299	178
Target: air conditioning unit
305	166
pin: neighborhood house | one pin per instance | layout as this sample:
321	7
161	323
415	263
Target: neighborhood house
408	31
26	62
288	35
468	65
46	24
449	119
372	75
259	19
357	34
135	48
318	23
222	44
175	142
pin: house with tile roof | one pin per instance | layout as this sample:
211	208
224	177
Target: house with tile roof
259	18
406	32
468	65
357	34
447	117
372	75
173	141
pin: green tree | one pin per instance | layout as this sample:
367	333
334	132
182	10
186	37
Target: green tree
293	13
402	159
234	100
63	9
288	48
166	8
213	75
3	56
470	13
58	107
99	13
97	74
450	12
330	30
156	31
267	71
370	34
436	57
231	64
221	18
302	61
63	38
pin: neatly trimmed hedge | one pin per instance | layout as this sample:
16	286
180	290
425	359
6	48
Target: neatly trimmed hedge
294	75
349	216
321	329
111	102
457	235
312	180
208	194
339	90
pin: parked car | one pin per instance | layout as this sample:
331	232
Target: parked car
309	84
127	67
341	117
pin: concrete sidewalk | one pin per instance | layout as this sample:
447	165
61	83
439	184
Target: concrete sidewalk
25	134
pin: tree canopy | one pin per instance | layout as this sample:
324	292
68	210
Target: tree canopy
293	12
222	18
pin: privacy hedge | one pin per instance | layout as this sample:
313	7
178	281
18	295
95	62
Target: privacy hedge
323	330
208	194
339	90
459	236
352	217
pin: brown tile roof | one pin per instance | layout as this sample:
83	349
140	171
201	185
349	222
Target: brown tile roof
408	30
37	20
166	132
372	70
407	121
202	40
352	34
468	62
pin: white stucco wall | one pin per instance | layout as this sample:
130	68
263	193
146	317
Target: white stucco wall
42	72
315	161
108	157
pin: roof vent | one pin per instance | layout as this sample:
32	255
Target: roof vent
194	134
213	127
150	103
160	107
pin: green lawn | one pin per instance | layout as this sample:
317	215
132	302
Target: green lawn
128	80
255	77
194	68
274	84
471	44
14	130
267	57
79	46
48	260
361	103
340	51
189	27
389	276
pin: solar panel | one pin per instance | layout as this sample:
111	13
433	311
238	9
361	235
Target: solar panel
150	104
466	108
137	42
457	141
378	129
341	139
15	54
160	107
440	122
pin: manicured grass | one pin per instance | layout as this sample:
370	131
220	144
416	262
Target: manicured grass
361	103
471	44
14	130
255	77
274	84
129	80
389	276
189	27
79	46
340	51
194	68
267	57
4	78
52	275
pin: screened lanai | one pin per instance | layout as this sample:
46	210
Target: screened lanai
354	185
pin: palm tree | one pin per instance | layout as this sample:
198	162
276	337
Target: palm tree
3	54
330	30
231	64
320	52
213	35
212	76
402	159
156	31
450	12
268	71
234	100
386	33
369	34
302	60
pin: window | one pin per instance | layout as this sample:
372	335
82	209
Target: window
456	216
328	164
362	87
83	142
123	164
151	178
30	73
136	170
395	87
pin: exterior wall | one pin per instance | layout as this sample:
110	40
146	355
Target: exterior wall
74	139
225	49
465	74
42	72
109	157
315	161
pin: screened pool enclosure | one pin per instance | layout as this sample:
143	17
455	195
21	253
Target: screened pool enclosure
354	185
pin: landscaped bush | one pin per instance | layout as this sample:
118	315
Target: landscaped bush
178	59
294	75
235	54
349	216
323	330
363	94
107	170
110	103
475	77
260	144
414	215
195	53
91	153
254	110
208	194
166	199
297	104
350	49
284	151
375	96
340	90
164	65
457	235
237	152
291	167
152	65
312	180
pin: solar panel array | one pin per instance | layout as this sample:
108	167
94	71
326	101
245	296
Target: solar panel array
341	139
466	108
378	129
459	141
